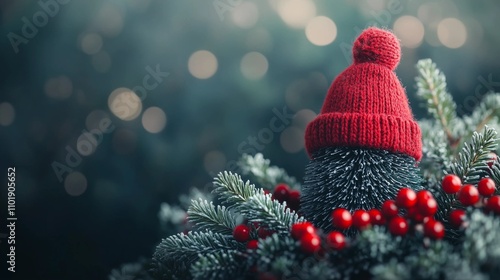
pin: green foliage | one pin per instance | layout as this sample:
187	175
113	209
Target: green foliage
218	265
205	215
261	208
232	191
431	84
472	162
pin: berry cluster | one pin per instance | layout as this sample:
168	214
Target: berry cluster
249	234
408	209
480	196
282	192
310	240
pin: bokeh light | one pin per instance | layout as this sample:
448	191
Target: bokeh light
202	64
452	33
86	144
296	13
125	104
154	120
245	15
7	114
292	139
254	65
214	161
59	87
303	117
75	183
91	43
321	31
409	30
109	20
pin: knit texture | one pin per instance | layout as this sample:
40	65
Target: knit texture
366	106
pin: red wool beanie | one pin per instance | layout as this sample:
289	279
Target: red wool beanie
366	106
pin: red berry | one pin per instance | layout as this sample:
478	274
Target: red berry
241	233
341	218
335	240
267	192
398	226
264	232
427	207
376	217
451	184
457	218
360	219
414	215
294	200
252	244
310	243
406	198
389	209
281	192
486	187
468	195
299	229
493	204
493	158
434	229
423	195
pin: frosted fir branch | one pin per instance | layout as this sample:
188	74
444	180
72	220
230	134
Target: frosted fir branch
480	246
495	174
176	253
261	171
277	254
218	265
275	215
436	152
485	113
232	191
431	87
472	161
206	216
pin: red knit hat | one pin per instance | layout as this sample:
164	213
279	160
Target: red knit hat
366	106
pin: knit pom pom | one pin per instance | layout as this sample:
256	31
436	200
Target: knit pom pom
378	46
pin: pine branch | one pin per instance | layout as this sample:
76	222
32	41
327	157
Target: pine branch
495	173
277	254
175	254
485	113
218	265
261	171
436	153
472	160
205	216
481	247
275	215
431	84
232	190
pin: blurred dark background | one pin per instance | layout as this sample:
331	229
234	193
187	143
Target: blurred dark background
94	160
